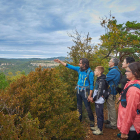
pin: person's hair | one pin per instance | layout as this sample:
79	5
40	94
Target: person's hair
135	68
100	68
115	61
130	59
85	62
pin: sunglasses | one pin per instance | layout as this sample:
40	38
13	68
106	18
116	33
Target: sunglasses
127	71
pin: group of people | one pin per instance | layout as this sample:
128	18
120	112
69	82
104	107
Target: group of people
128	120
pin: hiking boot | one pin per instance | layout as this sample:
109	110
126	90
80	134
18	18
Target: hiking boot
110	126
91	124
94	128
97	132
106	121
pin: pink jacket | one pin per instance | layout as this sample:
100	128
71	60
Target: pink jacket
128	116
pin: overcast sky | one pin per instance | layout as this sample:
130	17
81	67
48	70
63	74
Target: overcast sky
38	28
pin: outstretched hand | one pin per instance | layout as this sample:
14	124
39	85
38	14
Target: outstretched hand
57	60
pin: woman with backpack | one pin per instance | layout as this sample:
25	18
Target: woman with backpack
129	108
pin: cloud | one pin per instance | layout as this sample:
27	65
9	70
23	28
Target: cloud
135	15
41	27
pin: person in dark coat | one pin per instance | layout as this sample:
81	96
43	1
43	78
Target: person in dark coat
123	79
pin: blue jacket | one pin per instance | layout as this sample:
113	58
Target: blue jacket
82	79
113	75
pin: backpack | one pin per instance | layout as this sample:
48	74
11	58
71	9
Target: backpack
103	90
123	96
86	88
107	90
88	72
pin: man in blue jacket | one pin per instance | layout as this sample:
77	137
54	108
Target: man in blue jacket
84	86
113	78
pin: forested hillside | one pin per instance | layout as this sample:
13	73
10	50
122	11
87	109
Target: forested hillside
25	65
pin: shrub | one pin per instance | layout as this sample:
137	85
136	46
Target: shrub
38	106
26	128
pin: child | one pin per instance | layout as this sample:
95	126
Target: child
99	100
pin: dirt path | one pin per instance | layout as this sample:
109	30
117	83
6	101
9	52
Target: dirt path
108	134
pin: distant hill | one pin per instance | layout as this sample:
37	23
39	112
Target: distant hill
26	64
61	58
28	59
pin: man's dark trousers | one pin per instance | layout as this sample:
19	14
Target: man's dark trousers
81	96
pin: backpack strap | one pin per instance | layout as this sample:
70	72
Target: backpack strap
117	69
88	72
100	89
123	96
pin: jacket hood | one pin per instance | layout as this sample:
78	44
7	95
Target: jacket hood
98	79
101	77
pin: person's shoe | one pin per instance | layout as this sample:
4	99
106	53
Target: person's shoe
106	121
110	126
94	128
119	135
97	132
91	124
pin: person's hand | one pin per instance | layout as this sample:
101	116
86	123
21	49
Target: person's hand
124	136
90	99
57	60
